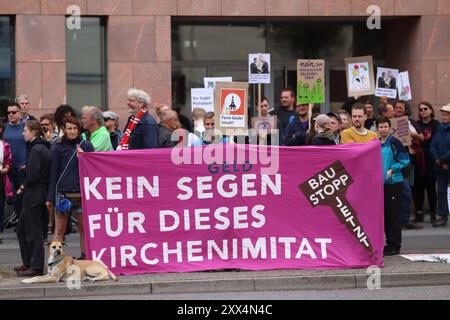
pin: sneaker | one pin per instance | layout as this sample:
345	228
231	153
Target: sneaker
418	218
411	226
30	273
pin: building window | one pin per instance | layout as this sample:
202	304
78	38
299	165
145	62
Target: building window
86	63
7	60
220	48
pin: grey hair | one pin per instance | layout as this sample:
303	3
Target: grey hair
22	97
96	113
168	116
140	95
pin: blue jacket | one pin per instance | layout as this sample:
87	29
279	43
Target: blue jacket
395	157
440	146
295	133
61	154
145	134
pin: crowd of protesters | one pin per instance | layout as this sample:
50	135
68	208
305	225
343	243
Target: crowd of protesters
39	159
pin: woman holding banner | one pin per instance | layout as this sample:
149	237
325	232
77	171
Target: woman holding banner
64	188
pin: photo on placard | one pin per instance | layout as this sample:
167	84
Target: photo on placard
259	68
360	78
387	83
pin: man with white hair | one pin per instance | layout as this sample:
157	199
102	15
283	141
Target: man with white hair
142	130
24	103
92	120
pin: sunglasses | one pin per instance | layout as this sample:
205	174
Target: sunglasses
12	112
424	109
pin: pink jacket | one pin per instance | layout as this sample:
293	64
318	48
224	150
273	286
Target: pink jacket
7	160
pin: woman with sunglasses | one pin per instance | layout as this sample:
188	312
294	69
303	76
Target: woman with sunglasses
425	178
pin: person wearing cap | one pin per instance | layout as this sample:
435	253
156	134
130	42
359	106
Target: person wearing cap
296	131
323	136
440	152
335	126
111	121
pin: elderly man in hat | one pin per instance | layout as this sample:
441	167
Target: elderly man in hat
440	152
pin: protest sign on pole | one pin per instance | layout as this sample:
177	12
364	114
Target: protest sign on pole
404	86
211	82
360	77
230	109
202	98
259	68
386	83
310	81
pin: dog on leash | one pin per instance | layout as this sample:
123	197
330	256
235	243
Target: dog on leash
60	267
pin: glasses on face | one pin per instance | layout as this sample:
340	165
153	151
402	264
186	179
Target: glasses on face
45	124
423	109
12	112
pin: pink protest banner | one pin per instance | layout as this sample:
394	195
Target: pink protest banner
289	208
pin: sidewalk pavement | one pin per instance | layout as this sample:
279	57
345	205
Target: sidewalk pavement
397	272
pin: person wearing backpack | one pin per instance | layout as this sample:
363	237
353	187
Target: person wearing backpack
395	160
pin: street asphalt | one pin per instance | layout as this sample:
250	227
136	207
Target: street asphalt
397	272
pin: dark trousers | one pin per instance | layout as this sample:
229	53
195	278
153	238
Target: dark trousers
392	207
2	202
421	184
406	202
16	177
443	179
29	229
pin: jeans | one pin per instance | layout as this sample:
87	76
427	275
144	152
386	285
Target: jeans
443	180
2	203
406	202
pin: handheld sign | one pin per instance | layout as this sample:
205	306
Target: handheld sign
210	83
404	86
387	83
310	81
202	98
400	130
360	78
259	68
231	103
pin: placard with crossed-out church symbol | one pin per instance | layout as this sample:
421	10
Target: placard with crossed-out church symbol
232	111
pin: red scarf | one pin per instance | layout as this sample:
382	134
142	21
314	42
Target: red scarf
124	143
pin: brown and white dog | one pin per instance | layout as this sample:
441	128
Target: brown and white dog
60	267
